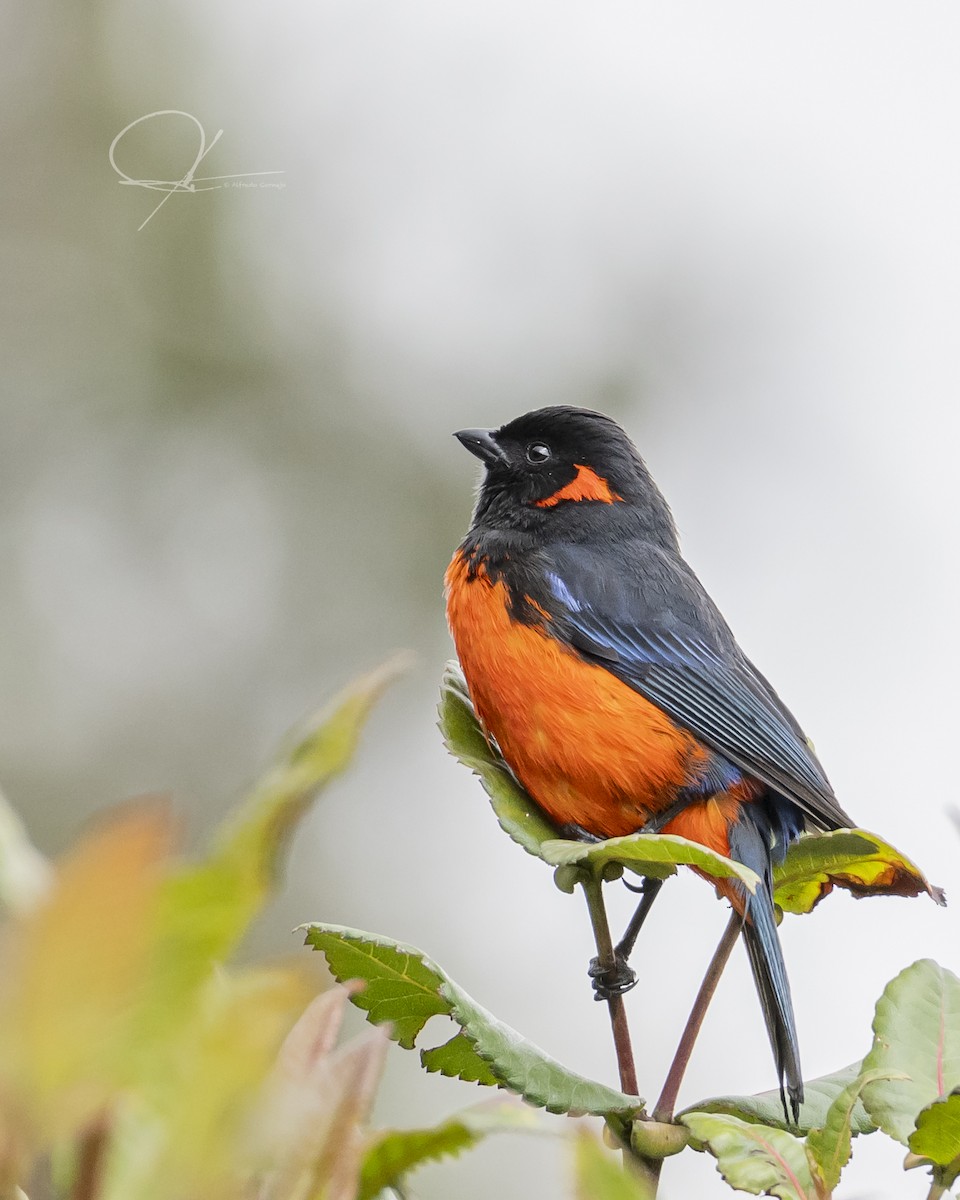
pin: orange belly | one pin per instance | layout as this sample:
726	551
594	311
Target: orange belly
590	750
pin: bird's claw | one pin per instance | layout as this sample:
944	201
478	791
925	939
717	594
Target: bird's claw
612	981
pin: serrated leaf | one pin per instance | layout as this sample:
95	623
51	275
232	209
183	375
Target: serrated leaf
457	1059
402	986
937	1137
600	1176
525	1070
766	1108
518	814
207	907
405	988
755	1158
916	1034
830	1145
655	855
395	1153
853	859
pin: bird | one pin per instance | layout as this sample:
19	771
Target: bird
612	686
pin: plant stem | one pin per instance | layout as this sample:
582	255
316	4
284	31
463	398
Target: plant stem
618	1017
668	1097
90	1160
646	1170
936	1191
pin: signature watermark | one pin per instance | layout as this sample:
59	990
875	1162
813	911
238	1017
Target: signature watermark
190	182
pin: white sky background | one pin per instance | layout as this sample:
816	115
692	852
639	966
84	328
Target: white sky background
733	225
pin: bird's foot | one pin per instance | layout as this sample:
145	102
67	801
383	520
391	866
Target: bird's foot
612	981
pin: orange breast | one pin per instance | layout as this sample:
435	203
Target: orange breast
590	750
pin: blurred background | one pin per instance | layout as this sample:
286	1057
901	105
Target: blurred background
227	482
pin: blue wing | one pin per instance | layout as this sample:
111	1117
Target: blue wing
655	628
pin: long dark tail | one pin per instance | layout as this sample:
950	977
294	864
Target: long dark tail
749	844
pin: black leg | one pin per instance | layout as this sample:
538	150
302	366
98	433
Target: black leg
650	890
622	978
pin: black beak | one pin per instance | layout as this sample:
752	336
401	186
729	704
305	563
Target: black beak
481	443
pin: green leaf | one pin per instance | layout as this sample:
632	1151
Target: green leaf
916	1034
206	908
656	855
527	1071
457	1059
755	1158
406	988
599	1176
937	1137
396	1152
852	859
519	815
402	986
830	1145
766	1108
658	1139
187	1123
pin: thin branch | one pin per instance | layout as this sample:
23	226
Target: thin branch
668	1097
91	1158
618	1016
648	1171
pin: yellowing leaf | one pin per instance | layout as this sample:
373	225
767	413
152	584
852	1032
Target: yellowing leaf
71	972
853	859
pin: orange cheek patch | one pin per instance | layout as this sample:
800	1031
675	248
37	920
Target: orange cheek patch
585	485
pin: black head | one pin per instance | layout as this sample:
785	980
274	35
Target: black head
561	468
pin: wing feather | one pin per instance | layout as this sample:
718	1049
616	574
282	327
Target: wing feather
682	657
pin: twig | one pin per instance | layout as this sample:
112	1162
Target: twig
668	1097
648	1171
90	1160
605	957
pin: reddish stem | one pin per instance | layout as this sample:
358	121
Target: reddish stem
618	1015
668	1097
91	1160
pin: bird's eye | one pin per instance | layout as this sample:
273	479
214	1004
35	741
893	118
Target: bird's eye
537	452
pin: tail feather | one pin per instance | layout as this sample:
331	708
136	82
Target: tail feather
749	846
